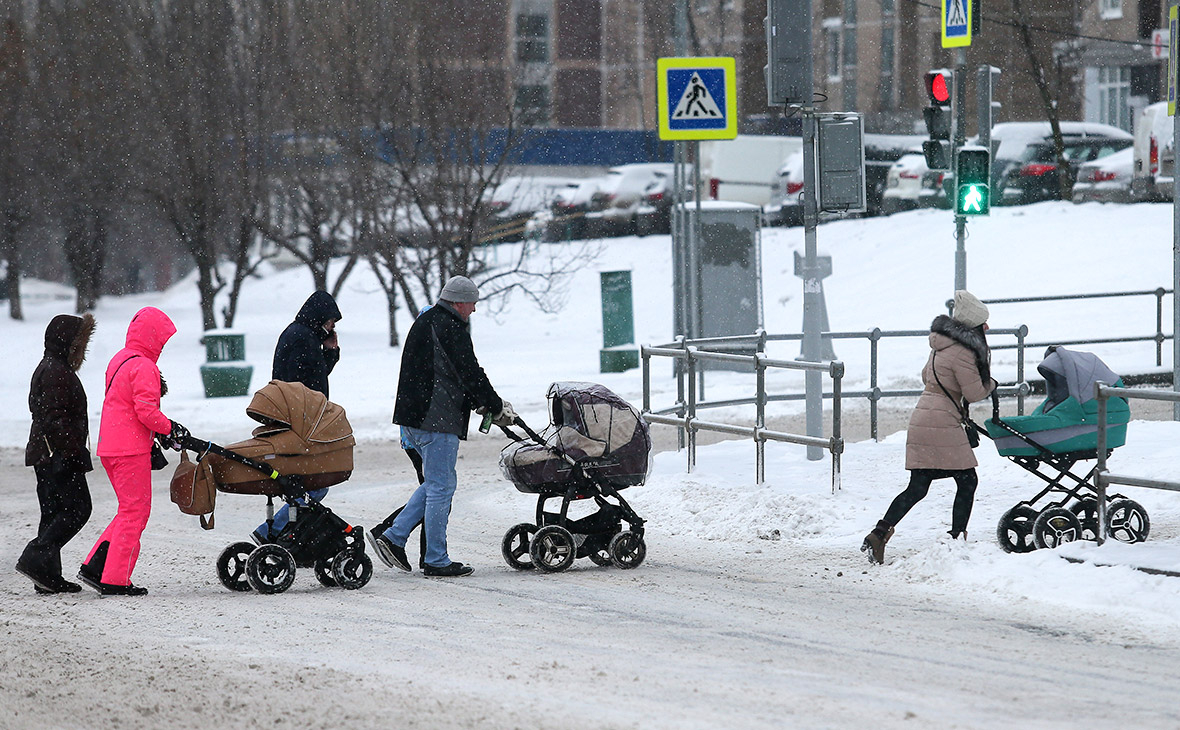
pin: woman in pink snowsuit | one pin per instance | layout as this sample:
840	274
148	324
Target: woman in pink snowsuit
131	418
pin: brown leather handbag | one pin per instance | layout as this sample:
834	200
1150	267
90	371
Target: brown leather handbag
193	490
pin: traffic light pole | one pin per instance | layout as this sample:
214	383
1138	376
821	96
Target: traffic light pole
959	114
812	293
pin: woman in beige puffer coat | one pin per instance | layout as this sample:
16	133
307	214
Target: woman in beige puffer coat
957	372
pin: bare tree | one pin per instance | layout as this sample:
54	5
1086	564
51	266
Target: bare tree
14	156
1064	180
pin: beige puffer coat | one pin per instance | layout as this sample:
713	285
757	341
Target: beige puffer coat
936	440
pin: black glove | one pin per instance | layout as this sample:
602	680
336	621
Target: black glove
178	432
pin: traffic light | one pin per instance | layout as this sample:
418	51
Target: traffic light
973	196
938	120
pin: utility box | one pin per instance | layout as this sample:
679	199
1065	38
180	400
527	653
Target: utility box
841	164
225	373
723	274
618	352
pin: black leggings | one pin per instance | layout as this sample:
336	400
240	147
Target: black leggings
65	508
965	480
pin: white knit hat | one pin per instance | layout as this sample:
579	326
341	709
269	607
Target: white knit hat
968	310
460	289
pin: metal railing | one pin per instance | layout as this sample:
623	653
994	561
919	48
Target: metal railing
1159	337
1020	390
687	406
1102	477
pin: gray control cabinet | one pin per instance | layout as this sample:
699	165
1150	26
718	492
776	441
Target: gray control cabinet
723	273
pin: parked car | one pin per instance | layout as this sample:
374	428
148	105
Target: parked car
1009	142
565	219
1036	177
786	193
903	184
1107	180
516	200
654	214
1154	154
741	169
613	206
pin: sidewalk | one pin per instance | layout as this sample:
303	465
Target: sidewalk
1155	557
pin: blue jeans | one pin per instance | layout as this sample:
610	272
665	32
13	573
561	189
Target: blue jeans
431	502
282	514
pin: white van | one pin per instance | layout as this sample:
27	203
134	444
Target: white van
741	169
1154	154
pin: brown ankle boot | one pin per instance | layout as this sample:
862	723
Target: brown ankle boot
874	543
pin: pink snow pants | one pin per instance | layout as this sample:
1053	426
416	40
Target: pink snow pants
131	476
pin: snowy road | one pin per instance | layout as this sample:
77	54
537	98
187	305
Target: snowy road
703	635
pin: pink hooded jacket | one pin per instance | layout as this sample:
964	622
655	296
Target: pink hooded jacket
131	408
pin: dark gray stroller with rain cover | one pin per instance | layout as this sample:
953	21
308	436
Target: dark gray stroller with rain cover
595	445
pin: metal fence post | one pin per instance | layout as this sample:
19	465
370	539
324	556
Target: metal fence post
1020	335
692	409
646	360
874	338
760	418
1100	469
837	447
1159	327
680	395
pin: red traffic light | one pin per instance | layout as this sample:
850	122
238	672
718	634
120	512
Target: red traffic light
938	87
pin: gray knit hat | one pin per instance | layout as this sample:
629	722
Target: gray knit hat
968	310
460	289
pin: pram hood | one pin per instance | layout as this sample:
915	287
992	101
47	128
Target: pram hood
306	413
1072	374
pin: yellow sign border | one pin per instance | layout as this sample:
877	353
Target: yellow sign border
963	41
728	65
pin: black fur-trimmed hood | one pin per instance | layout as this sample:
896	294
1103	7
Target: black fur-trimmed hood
67	337
970	337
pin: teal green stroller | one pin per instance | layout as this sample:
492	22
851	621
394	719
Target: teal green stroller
1049	442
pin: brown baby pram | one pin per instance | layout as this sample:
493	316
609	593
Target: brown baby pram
304	443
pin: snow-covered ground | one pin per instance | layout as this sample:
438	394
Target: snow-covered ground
892	273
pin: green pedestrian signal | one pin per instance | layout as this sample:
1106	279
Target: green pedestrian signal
973	184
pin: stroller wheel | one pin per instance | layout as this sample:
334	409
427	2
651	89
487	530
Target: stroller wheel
553	549
323	573
627	550
515	546
1086	510
1055	526
1015	529
231	566
352	569
270	569
601	556
1127	521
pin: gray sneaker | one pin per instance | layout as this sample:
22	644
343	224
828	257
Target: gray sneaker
388	553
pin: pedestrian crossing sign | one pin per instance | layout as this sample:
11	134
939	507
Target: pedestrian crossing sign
697	98
956	23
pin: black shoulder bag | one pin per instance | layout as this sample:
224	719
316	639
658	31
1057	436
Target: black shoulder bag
159	461
969	426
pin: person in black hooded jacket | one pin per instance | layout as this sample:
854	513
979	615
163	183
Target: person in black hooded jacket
57	451
307	352
308	349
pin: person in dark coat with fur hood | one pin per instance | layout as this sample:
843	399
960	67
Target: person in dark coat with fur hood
58	452
957	372
307	352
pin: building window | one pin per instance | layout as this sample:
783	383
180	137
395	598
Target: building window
887	60
532	105
1114	96
1109	9
832	47
532	38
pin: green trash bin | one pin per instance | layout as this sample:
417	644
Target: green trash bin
618	353
226	373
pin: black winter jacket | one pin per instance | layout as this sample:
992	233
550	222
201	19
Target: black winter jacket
300	355
57	400
441	380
